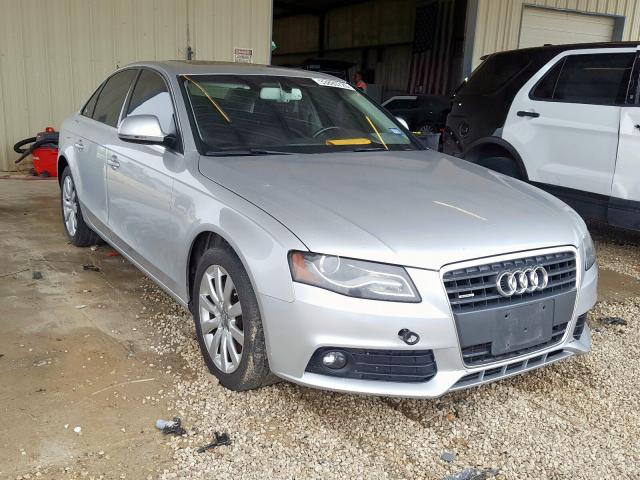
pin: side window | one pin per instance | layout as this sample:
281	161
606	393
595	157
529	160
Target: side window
150	97
598	79
112	97
87	111
546	87
494	73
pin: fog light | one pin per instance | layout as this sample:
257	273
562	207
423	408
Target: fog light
334	359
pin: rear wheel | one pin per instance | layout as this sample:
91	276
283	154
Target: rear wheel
75	227
228	322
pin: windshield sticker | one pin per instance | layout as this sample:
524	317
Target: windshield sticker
327	82
395	131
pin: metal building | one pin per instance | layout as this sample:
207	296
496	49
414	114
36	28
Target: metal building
404	46
429	46
53	54
507	24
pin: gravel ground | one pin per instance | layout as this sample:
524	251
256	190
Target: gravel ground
577	419
617	250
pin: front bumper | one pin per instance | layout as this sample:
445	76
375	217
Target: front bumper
319	318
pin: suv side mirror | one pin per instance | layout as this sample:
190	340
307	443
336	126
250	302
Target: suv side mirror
144	129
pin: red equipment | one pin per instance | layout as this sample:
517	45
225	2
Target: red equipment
43	150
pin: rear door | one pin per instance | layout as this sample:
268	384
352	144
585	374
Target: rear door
95	128
625	191
564	121
140	182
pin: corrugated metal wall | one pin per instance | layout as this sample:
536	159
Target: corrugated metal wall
498	22
54	53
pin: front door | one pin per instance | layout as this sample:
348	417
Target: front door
564	121
140	183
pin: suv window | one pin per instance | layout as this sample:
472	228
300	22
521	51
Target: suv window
112	97
600	79
546	87
494	73
151	97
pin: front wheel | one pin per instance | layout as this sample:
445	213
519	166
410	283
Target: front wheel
75	227
228	322
505	165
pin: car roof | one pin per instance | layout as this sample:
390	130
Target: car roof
555	49
203	67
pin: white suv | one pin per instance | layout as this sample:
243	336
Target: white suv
564	117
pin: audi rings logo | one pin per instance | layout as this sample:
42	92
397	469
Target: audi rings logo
522	281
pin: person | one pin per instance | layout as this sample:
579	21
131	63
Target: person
360	84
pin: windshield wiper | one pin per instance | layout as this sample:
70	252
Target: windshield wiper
244	153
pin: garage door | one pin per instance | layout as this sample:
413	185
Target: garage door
541	26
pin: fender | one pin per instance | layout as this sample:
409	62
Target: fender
494	141
260	241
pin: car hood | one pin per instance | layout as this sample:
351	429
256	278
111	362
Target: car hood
420	209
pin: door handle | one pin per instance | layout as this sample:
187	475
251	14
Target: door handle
113	162
79	145
524	113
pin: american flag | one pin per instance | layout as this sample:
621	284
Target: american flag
432	38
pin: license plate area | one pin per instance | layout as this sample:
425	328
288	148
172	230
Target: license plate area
522	327
486	336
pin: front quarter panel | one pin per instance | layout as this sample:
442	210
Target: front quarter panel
261	242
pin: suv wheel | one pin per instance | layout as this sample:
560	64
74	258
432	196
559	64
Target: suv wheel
505	165
75	227
228	322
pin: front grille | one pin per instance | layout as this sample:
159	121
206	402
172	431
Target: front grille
381	365
480	354
579	328
474	288
491	374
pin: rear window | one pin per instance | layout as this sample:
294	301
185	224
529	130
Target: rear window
493	74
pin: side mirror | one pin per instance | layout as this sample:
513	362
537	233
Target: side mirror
143	129
403	122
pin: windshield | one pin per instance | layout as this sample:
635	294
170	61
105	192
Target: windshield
262	114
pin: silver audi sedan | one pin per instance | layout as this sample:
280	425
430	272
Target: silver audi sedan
314	239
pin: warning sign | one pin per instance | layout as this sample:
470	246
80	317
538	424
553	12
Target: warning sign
242	55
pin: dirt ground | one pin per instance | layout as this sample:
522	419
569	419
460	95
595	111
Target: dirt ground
107	352
73	353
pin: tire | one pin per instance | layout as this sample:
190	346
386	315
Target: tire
219	334
505	165
426	128
77	231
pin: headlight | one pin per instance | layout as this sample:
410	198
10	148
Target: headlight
589	252
355	278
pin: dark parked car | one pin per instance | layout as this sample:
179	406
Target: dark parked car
423	113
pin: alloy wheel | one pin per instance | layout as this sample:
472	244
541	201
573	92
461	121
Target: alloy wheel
70	205
221	319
